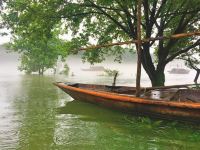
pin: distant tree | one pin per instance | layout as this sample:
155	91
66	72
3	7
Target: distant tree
38	55
1	19
65	70
36	38
112	73
192	60
1	5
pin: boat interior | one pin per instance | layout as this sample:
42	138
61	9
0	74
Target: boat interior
181	93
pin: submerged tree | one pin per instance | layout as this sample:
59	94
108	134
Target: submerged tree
65	70
35	38
108	21
39	55
112	73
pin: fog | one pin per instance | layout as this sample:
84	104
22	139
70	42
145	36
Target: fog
9	63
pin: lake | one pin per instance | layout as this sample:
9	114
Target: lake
36	115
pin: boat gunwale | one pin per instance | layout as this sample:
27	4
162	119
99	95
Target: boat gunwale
124	98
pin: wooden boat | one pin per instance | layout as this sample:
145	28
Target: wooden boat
178	103
94	68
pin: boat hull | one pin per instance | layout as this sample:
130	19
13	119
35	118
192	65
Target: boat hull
138	106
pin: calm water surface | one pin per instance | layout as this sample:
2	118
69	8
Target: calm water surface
35	115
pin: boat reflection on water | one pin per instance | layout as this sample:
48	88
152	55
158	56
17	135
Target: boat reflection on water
89	112
167	103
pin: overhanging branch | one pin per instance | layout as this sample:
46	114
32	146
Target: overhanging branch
183	51
109	16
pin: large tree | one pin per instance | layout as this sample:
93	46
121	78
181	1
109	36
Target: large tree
38	55
107	21
34	36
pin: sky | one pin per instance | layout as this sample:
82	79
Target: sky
4	39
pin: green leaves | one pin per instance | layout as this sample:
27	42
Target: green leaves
35	33
111	73
105	21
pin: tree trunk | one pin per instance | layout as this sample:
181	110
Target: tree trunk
158	79
197	75
115	78
156	76
41	71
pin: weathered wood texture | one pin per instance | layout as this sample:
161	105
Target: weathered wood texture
175	36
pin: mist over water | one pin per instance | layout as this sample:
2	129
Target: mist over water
9	61
36	115
127	70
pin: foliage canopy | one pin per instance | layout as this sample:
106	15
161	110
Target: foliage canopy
35	38
108	21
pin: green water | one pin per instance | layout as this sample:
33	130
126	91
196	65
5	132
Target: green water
35	115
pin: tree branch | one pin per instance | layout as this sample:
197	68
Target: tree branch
110	17
129	21
160	8
190	63
146	13
179	29
183	51
78	14
177	12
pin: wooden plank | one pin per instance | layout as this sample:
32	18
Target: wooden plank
170	86
139	49
175	36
